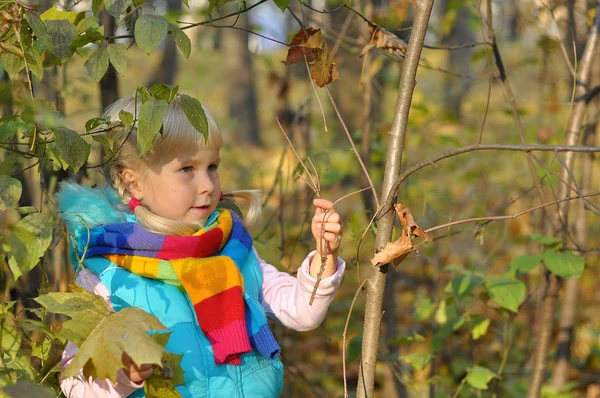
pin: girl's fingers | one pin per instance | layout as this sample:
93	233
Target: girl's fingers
329	227
323	204
327	217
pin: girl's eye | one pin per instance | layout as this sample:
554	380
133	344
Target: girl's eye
187	169
213	167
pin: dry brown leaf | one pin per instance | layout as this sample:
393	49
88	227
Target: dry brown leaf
309	43
324	70
386	41
409	225
398	250
302	46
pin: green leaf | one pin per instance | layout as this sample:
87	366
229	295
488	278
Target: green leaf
424	309
72	149
126	118
105	141
10	192
545	240
406	340
34	62
480	328
149	31
97	64
565	265
479	377
13	64
524	263
38	27
116	7
163	380
181	39
87	37
145	93
89	23
53	14
85	309
462	285
507	291
118	57
17	254
12	125
96	6
195	114
62	33
35	231
282	4
417	361
100	355
95	122
150	122
164	92
354	348
11	339
186	2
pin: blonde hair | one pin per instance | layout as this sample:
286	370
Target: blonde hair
177	134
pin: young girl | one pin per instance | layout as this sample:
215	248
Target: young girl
159	240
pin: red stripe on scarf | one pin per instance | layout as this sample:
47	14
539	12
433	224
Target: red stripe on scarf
223	320
204	245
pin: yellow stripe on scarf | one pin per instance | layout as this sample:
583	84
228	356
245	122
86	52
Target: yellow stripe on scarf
144	266
203	278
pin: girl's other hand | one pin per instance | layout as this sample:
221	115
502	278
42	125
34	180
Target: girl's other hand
136	374
326	226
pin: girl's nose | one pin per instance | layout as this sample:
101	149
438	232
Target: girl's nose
205	185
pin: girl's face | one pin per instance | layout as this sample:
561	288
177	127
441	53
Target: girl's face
186	188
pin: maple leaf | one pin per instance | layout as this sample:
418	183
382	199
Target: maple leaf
163	380
101	354
398	250
85	309
386	41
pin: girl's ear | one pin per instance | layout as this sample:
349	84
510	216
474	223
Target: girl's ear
132	182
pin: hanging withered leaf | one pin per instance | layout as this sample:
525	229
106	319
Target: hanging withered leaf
308	44
386	41
398	250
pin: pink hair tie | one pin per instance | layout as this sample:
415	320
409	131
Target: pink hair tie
133	203
221	197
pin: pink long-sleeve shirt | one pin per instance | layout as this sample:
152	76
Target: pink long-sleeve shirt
283	297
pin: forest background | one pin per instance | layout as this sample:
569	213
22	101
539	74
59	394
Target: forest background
495	164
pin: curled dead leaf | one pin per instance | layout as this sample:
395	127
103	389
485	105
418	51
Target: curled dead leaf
386	41
308	44
398	250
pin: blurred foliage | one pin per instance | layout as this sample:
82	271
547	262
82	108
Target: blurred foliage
465	304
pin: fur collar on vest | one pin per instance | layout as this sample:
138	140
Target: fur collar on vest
96	206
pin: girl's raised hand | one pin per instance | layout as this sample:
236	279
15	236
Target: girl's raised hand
326	226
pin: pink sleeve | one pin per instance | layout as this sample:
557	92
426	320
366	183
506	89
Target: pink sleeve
286	298
78	387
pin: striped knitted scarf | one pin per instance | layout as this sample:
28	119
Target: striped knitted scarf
207	266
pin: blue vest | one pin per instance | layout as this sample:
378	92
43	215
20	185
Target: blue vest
257	376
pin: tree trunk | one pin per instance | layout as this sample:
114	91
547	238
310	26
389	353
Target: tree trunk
109	84
166	71
575	123
240	76
569	304
458	62
376	285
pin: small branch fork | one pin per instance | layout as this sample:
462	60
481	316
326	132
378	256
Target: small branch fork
315	185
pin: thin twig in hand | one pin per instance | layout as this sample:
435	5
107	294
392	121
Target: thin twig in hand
360	161
324	244
313	185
